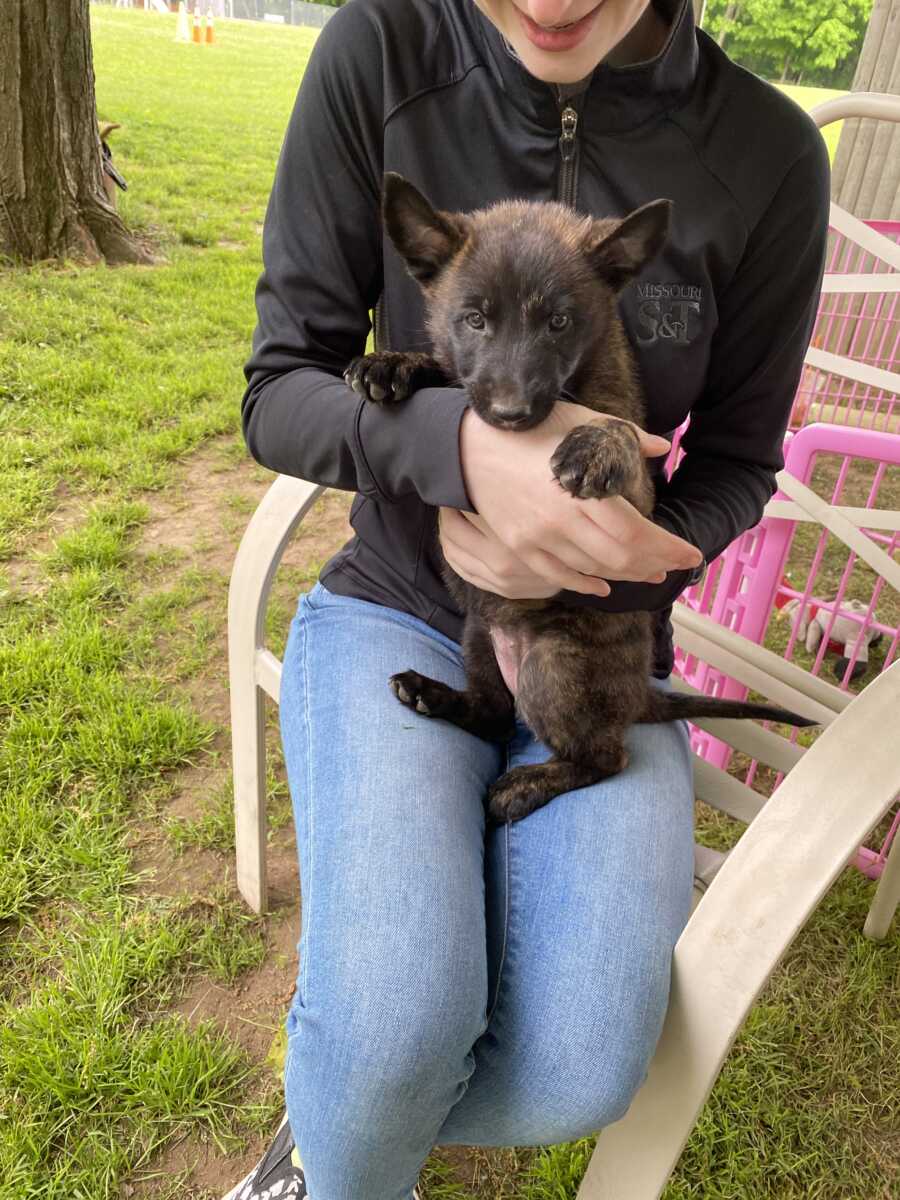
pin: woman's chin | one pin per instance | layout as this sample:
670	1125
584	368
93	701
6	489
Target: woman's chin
551	67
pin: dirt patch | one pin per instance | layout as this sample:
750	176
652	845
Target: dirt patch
204	513
250	1013
202	517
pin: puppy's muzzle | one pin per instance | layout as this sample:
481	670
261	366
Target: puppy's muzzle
511	416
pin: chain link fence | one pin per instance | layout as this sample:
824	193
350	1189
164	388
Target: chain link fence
279	12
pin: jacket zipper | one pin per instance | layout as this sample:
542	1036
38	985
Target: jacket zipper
568	149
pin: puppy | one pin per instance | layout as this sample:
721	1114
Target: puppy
521	303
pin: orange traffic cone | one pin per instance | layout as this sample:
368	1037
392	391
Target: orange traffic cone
196	31
210	29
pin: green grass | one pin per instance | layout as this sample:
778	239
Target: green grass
109	379
109	376
95	1073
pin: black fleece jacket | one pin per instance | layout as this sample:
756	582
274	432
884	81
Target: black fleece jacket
719	321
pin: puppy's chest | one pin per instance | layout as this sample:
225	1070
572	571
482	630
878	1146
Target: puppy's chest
613	388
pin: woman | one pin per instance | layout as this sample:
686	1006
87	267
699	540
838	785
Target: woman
504	987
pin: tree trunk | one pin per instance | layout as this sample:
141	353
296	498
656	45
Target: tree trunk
866	175
730	11
52	201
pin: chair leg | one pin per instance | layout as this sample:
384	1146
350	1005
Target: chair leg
887	894
248	748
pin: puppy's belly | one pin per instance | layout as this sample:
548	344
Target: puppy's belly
509	650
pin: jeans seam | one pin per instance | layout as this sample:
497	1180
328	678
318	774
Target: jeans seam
506	912
505	931
306	899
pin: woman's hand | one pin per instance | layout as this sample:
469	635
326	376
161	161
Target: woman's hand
478	555
532	529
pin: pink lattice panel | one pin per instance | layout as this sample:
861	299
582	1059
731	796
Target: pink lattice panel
782	561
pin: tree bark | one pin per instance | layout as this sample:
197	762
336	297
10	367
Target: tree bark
728	17
866	174
52	201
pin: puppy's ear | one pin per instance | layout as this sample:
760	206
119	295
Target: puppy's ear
425	238
618	253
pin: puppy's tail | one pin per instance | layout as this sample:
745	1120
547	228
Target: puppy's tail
675	706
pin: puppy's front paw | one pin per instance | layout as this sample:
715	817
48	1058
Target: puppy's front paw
388	377
595	461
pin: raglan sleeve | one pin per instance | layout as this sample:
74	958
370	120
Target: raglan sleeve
322	275
733	445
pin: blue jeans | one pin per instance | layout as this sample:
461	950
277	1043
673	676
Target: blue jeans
458	986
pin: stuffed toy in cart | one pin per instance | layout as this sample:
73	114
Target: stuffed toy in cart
849	635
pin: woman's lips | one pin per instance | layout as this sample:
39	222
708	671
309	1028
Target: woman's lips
558	39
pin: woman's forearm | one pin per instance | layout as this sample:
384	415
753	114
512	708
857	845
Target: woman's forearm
307	423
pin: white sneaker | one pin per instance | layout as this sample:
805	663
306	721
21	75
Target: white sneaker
279	1173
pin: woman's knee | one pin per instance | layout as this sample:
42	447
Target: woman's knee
577	1071
602	1091
575	1095
382	1044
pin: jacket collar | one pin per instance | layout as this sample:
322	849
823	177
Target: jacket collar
617	98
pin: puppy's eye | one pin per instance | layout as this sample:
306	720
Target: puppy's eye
558	322
475	319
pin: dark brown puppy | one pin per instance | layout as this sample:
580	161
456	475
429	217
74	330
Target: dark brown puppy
521	307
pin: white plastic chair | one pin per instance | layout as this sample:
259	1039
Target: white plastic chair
255	673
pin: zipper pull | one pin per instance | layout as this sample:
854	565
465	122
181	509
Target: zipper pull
569	119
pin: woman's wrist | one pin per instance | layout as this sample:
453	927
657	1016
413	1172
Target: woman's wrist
471	434
561	538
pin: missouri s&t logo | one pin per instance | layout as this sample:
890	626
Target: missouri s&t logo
668	312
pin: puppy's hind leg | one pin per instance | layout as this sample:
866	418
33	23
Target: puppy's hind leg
568	707
485	708
524	789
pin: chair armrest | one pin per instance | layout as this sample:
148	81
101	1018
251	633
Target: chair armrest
756	666
280	511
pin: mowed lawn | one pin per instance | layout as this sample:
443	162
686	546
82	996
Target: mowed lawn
124	486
